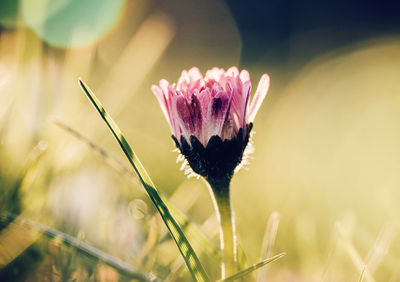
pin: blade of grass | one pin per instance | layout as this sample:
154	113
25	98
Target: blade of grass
190	257
35	229
352	252
110	159
331	254
34	157
247	271
269	241
380	248
362	275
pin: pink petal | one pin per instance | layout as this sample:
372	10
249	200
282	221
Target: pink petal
246	89
217	114
165	86
233	71
214	74
204	99
232	77
258	98
173	117
195	73
236	107
191	79
169	93
196	114
182	114
161	99
216	90
244	76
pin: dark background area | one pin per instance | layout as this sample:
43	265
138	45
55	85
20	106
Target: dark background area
275	30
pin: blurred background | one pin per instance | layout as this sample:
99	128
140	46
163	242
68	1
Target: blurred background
323	184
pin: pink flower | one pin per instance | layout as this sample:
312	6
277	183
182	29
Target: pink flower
200	109
217	104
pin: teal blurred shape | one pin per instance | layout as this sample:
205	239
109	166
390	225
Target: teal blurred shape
9	13
71	23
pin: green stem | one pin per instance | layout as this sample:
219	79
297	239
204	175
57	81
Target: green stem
220	193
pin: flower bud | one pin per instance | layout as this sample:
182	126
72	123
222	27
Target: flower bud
211	117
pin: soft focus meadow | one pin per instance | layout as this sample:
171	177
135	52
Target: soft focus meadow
323	184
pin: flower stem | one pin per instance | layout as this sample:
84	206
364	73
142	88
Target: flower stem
220	193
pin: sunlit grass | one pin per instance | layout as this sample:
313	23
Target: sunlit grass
322	185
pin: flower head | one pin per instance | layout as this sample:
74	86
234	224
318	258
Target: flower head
211	117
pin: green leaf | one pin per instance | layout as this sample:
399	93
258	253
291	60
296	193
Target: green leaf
252	268
190	257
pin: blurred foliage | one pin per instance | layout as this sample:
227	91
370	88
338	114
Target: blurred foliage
322	185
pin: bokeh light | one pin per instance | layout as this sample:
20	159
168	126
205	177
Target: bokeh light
71	23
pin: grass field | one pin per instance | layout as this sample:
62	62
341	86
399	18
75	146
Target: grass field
322	185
